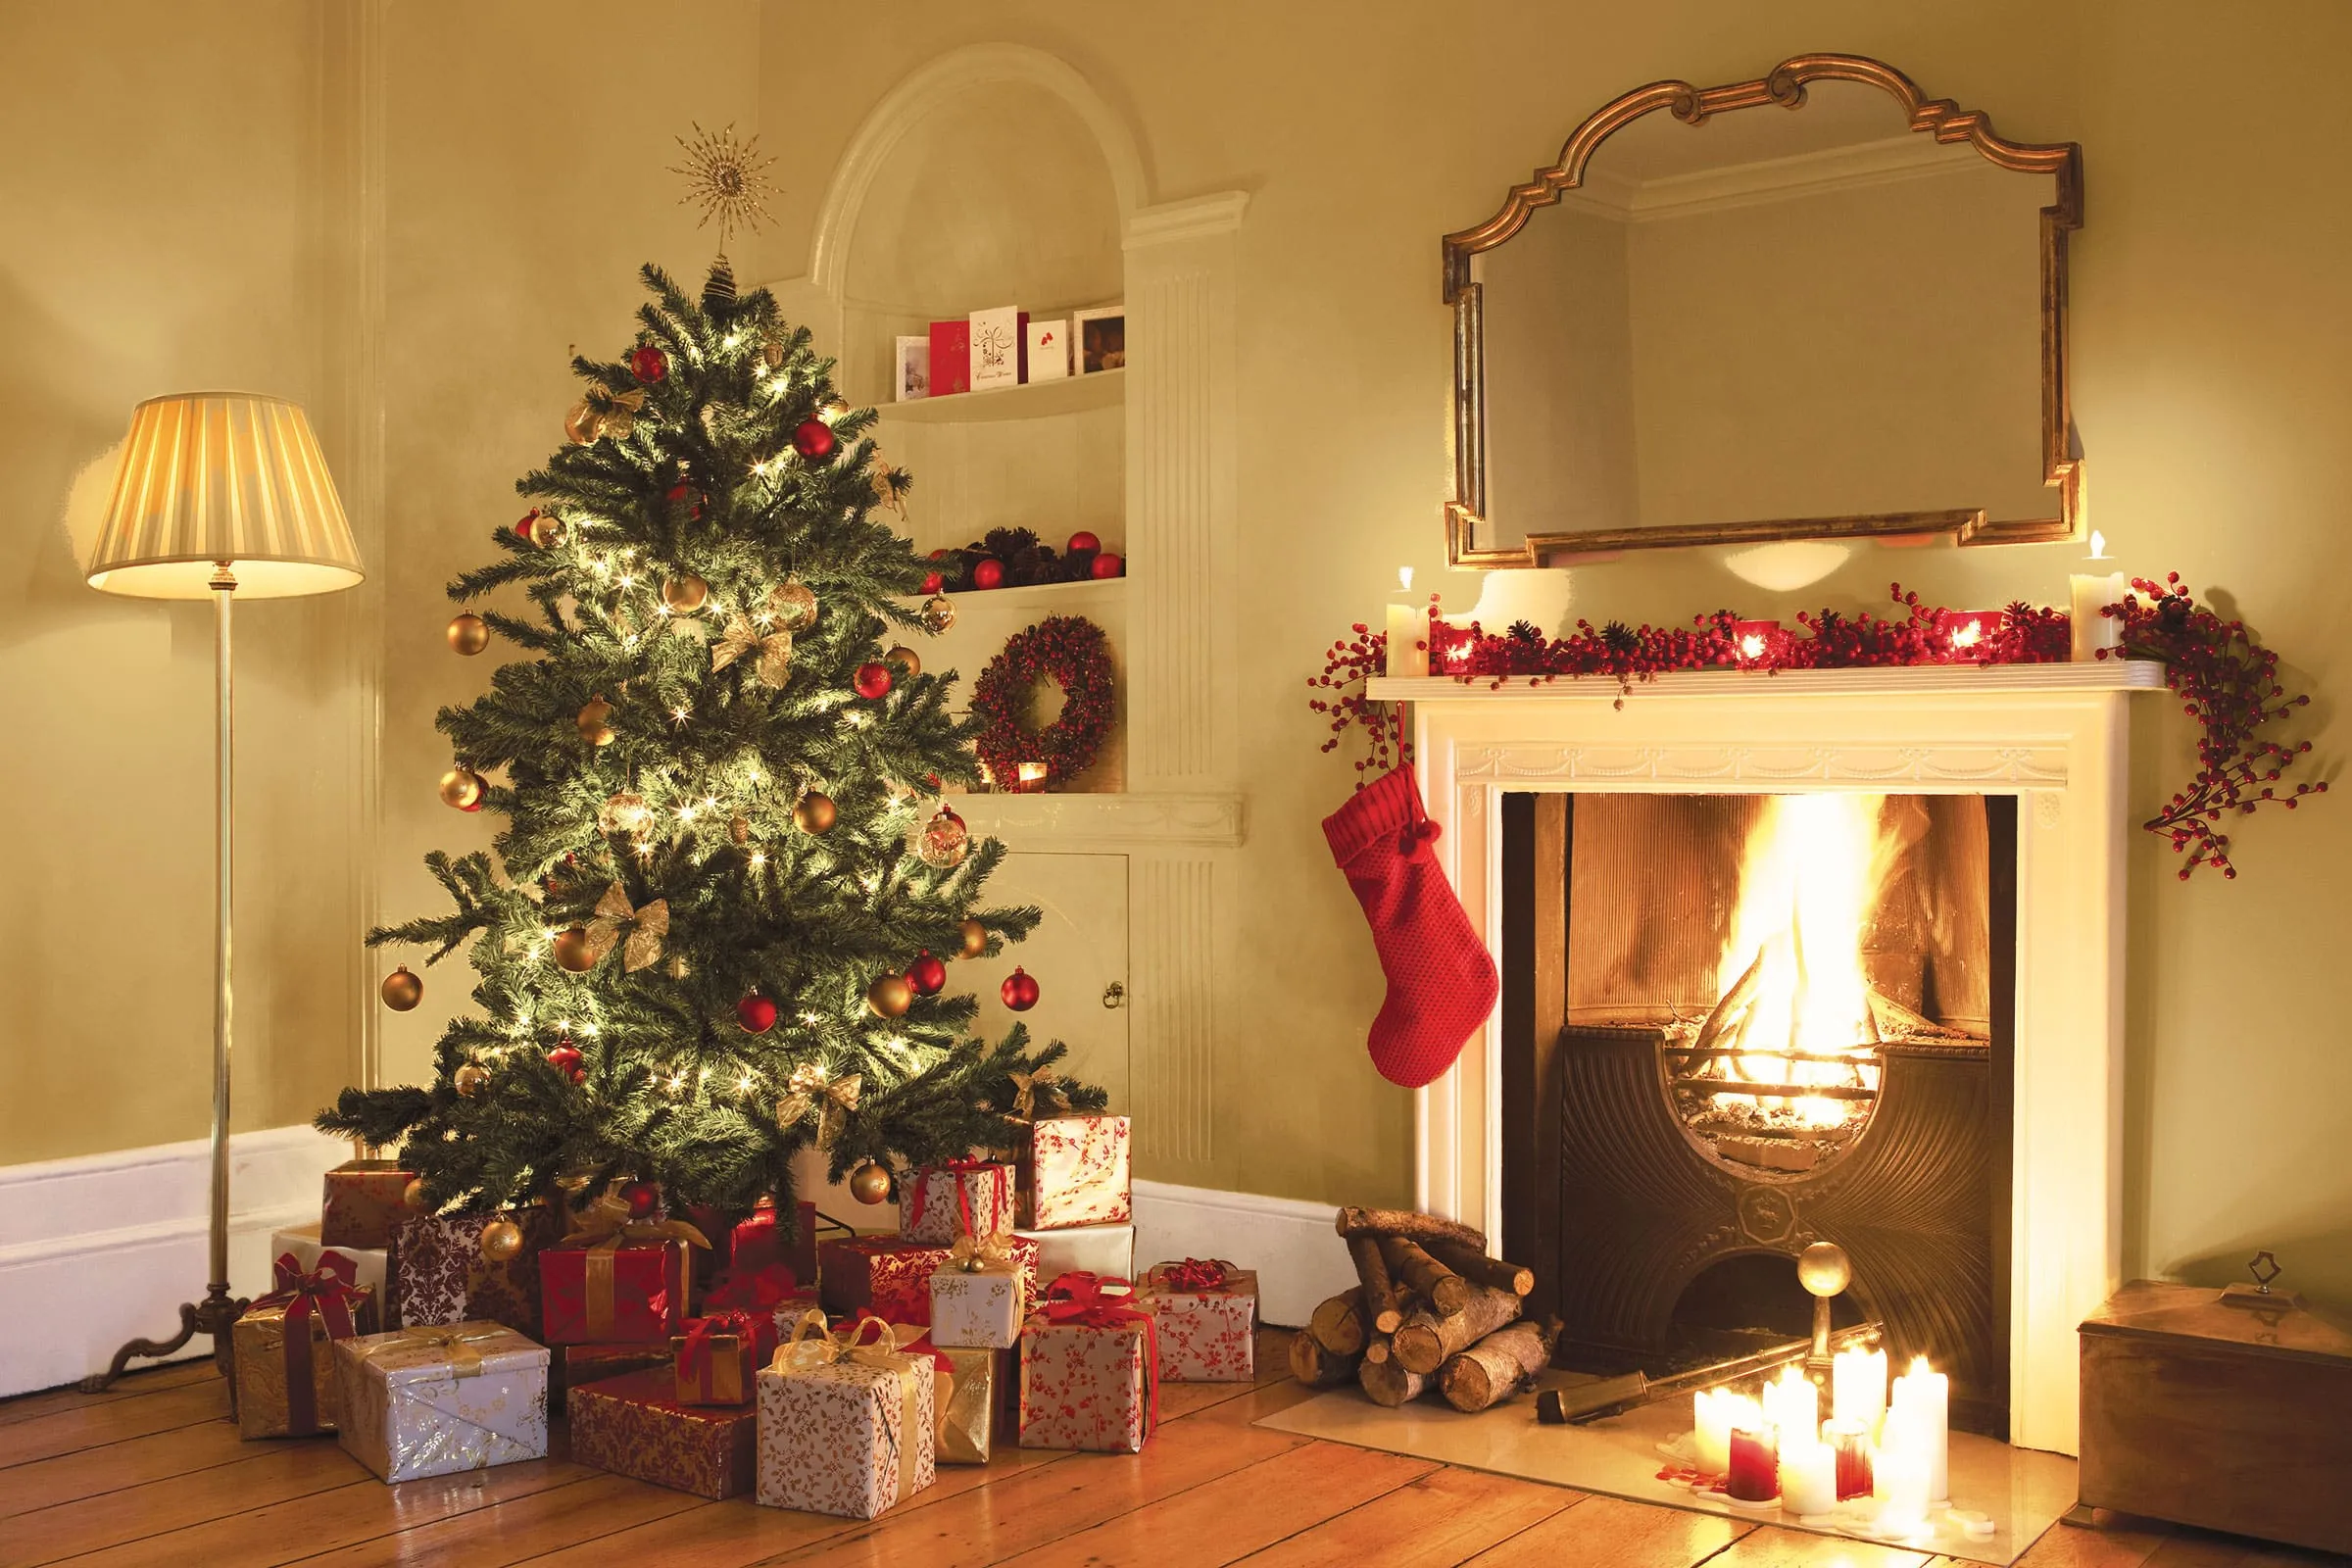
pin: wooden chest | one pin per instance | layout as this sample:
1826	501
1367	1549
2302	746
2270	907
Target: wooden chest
2228	1417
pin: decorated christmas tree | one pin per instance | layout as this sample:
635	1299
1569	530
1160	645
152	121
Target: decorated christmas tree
725	915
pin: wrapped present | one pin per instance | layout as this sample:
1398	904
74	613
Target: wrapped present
631	1426
771	1292
427	1401
963	1198
1075	1173
969	1397
1090	1368
371	1267
977	1295
569	1366
614	1277
283	1350
1207	1312
1107	1250
439	1275
759	1242
365	1201
714	1362
892	1278
845	1428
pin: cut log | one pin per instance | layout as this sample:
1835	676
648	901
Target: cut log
1376	1348
1405	1222
1316	1367
1338	1325
1383	1301
1480	1269
1442	1288
1499	1365
1427	1340
1386	1383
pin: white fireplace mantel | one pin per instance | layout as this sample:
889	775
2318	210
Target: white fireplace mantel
2053	733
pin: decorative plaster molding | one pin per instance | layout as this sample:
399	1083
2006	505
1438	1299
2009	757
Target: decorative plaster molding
1171	954
1113	823
2008	682
1202	217
1770	179
1718	765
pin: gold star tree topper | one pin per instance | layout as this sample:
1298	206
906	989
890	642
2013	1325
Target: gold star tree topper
727	179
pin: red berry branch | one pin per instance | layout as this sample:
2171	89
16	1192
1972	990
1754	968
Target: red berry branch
2228	684
1351	662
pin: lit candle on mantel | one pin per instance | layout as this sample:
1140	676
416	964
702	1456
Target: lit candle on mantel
1714	1412
1793	1407
1407	621
1922	1402
2087	592
1808	1475
1858	1387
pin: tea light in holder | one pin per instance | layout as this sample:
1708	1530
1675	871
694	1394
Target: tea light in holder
1808	1475
1966	634
1406	622
2087	592
1755	642
1850	1441
1032	780
1754	1474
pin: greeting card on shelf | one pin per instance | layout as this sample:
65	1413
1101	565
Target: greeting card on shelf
1049	350
1000	348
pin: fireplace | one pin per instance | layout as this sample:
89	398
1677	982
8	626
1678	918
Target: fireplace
1760	1022
2043	747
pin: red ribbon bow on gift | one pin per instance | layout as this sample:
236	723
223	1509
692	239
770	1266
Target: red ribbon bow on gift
757	1292
693	1356
1083	1299
959	1169
331	1293
1194	1274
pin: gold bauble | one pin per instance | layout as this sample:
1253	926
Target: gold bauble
402	990
976	940
739	829
460	787
572	952
413	1198
939	614
816	814
795	605
546	530
890	995
501	1240
591	721
772	351
579	424
685	593
677	966
869	1182
469	634
470	1079
905	660
625	812
833	409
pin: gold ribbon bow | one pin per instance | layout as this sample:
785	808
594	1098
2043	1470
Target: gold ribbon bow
649	926
886	491
456	1342
800	1351
837	1096
981	1255
741	637
1032	1087
585	423
606	1224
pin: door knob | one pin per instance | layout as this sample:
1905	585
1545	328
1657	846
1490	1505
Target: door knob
1114	995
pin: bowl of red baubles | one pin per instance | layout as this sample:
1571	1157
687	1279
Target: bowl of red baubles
1015	558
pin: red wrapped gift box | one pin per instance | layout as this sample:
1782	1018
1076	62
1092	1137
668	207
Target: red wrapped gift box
630	1426
364	1203
1207	1311
717	1354
574	1365
892	1278
940	1203
758	1244
1090	1369
595	1293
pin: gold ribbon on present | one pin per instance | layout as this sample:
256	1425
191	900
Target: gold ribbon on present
833	1098
799	1352
1032	1087
603	1229
741	637
647	926
804	1351
981	1255
455	1340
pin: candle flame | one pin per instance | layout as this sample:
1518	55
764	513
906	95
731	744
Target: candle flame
1752	646
2098	545
1404	579
1920	1367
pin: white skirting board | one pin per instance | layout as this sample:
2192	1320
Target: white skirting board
1292	1243
102	1248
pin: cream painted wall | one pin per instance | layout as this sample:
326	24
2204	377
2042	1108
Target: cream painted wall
2212	320
164	214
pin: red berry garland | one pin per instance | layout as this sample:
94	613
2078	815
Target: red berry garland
1073	651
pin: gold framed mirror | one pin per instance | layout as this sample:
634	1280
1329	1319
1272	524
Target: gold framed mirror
1819	305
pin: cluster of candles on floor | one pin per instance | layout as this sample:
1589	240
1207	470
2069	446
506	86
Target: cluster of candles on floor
1892	1448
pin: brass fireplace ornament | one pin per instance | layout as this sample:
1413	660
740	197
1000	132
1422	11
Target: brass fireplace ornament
2259	1295
1815	306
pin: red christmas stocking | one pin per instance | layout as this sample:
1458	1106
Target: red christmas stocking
1440	977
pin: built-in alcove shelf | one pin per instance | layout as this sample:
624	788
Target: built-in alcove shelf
1046	598
1921	680
1034	399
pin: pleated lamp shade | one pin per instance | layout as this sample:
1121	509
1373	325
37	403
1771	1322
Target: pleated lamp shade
211	477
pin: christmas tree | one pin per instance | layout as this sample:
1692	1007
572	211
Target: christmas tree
718	924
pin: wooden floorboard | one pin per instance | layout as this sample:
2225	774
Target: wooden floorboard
151	1473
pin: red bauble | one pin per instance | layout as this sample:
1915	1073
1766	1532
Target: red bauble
932	582
1082	540
927	975
475	807
679	492
814	439
756	1013
988	572
1018	991
522	525
566	1059
643	1198
649	364
1109	565
872	680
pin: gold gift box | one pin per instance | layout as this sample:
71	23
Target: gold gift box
258	1346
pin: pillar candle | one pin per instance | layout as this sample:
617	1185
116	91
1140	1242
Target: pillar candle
1792	1406
1858	1387
1754	1474
2087	592
1924	1398
1808	1475
1901	1490
1850	1442
1407	621
1714	1413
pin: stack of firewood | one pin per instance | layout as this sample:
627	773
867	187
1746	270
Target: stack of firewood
1431	1315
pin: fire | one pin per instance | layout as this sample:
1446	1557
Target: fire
1792	975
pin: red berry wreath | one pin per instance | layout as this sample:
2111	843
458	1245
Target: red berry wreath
1073	651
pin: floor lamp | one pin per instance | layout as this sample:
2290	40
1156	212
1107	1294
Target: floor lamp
219	494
